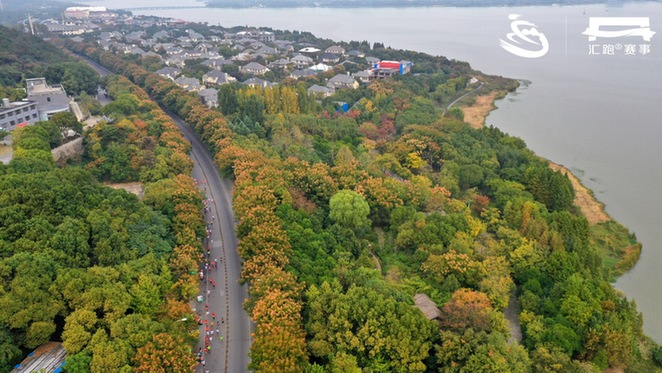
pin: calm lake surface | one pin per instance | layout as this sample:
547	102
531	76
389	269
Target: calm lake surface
599	115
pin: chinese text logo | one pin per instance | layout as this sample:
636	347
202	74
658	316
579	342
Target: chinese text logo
619	27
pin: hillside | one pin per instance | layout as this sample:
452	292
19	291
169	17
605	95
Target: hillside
344	217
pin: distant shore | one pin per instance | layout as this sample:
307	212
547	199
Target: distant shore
277	4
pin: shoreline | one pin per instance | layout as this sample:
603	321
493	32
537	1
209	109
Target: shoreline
410	4
621	251
594	210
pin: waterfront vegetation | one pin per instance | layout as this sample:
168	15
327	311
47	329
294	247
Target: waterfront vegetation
344	217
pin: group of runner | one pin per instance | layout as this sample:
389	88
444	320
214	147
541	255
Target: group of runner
212	326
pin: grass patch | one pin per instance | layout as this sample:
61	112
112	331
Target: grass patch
4	150
618	247
643	361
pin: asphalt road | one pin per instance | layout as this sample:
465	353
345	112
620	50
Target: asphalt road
225	299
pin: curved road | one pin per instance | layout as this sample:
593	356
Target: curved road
227	296
463	96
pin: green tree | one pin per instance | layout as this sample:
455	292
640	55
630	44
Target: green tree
363	325
252	107
349	209
78	363
66	122
79	77
227	99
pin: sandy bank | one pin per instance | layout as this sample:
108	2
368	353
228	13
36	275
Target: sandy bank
591	208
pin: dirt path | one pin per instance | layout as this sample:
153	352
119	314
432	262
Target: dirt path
136	188
591	208
511	313
376	260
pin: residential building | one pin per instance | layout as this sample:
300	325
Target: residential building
178	60
382	73
174	50
169	72
301	61
386	69
320	67
343	81
188	84
335	49
309	50
194	36
82	12
330	58
242	57
254	68
282	64
153	54
209	97
135	36
50	100
161	35
372	60
259	35
216	63
257	82
266	51
134	50
356	53
204	47
363	76
321	91
17	112
71	28
216	77
297	74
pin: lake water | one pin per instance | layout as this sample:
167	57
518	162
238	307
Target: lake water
599	115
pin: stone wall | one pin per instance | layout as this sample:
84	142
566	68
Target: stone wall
72	150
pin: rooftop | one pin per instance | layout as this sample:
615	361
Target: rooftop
427	306
39	85
49	357
11	105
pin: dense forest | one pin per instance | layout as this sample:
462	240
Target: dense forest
344	217
23	56
14	12
104	272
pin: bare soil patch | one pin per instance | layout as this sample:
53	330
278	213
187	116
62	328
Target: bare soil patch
136	188
584	199
475	114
